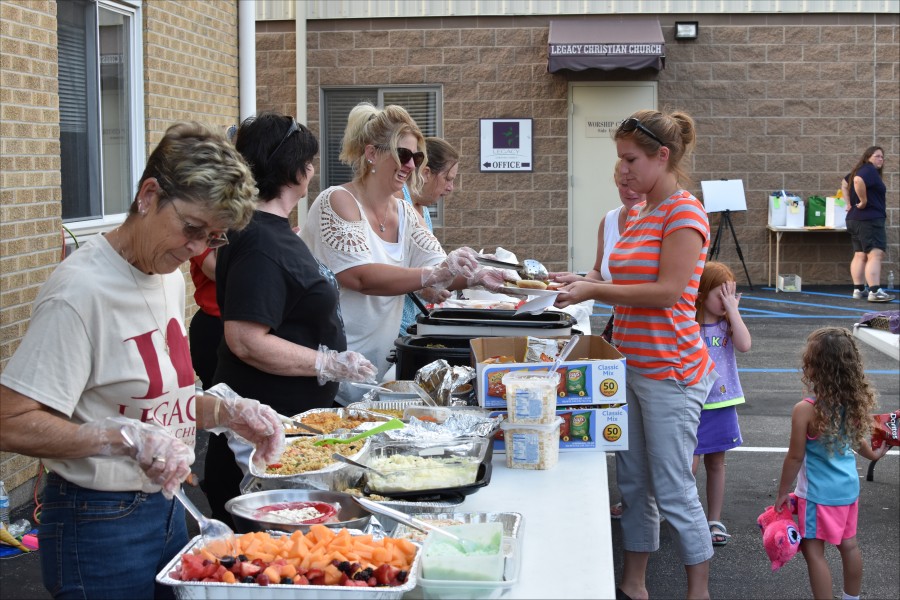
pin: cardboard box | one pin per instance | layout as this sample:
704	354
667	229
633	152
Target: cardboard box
789	283
606	427
596	374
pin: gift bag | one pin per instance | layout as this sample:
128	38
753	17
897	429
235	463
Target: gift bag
815	211
795	216
835	212
777	211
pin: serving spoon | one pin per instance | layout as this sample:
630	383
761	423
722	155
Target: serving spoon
218	538
529	269
392	424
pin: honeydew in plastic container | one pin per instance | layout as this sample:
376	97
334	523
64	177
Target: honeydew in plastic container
531	446
479	559
531	396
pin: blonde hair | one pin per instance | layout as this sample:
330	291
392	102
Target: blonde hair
833	373
383	129
196	164
675	129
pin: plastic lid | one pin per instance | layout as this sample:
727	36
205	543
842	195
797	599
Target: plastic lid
504	425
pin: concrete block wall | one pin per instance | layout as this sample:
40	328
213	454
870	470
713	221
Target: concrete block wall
190	73
781	101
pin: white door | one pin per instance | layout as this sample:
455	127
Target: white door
595	111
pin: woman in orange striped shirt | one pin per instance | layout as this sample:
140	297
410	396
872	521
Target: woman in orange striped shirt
656	267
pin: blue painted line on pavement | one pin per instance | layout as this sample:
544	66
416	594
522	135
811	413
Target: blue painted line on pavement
798	303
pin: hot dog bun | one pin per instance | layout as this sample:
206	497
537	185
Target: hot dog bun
531	284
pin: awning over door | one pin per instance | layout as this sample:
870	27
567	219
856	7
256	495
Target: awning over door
605	44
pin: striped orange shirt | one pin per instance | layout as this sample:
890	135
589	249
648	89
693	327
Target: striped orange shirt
660	343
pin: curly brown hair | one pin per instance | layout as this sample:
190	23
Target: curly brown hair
833	373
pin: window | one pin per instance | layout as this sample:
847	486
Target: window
422	104
101	109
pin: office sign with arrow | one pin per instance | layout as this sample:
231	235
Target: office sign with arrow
506	146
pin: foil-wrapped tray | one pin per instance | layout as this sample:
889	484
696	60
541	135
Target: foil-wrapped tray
512	523
200	590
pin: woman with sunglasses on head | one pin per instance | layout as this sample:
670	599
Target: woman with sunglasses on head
656	267
284	338
101	388
438	177
375	243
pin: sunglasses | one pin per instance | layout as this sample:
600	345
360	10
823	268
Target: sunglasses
404	154
294	128
630	124
197	233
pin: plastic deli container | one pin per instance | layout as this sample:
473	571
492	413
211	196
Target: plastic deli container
531	396
478	558
531	446
448	589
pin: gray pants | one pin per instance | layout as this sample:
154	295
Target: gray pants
654	475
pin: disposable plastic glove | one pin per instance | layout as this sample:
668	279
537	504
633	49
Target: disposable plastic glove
461	261
332	365
489	278
257	423
165	460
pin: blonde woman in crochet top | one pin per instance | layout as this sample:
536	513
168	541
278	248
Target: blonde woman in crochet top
374	242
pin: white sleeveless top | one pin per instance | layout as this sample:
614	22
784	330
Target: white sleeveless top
371	322
610	237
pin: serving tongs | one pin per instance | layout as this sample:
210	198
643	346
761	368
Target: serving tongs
298	424
529	269
375	507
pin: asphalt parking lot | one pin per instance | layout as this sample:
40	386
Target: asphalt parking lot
779	324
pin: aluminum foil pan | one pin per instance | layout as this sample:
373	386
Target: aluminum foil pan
367	406
342	413
512	523
213	590
321	479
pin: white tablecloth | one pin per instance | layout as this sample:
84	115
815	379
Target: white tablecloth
567	544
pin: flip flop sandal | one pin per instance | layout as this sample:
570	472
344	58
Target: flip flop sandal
615	511
719	533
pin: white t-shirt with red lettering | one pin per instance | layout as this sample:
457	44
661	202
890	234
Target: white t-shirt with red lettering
96	348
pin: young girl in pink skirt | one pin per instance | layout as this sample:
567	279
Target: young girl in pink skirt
724	332
825	428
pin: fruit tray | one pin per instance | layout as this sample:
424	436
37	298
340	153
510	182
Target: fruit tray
233	591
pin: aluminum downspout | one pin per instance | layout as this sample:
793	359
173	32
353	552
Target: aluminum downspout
300	9
247	57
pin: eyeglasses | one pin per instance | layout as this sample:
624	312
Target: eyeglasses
630	124
404	154
294	128
197	233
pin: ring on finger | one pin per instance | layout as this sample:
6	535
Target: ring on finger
159	459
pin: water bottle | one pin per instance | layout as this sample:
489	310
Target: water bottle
4	506
891	281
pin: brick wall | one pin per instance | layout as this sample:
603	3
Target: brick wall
781	101
30	238
190	73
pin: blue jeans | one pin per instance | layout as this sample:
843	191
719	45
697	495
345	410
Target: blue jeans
107	544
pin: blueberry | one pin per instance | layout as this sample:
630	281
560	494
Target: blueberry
227	561
248	579
286	580
242	558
